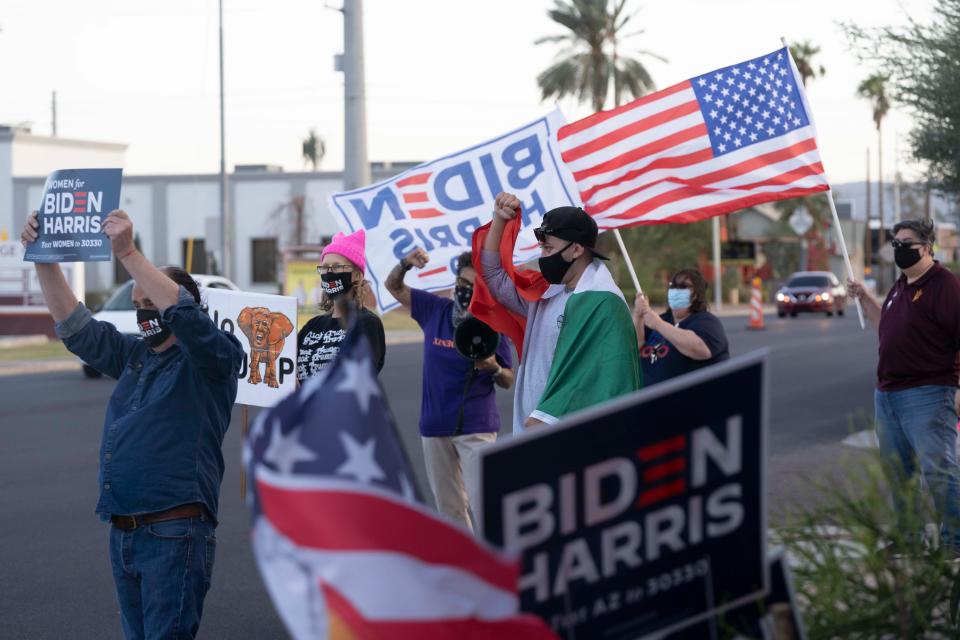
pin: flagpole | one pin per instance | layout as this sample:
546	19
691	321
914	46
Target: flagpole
846	256
833	206
626	258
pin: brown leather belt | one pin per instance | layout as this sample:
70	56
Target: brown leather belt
129	523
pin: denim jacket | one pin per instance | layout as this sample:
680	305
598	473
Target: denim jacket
169	412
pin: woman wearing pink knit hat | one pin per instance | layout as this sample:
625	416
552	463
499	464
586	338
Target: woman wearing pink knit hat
342	267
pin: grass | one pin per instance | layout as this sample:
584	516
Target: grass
45	351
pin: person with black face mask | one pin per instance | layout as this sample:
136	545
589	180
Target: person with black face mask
579	344
458	411
342	267
916	399
160	457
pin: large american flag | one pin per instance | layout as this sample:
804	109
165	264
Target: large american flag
729	139
343	546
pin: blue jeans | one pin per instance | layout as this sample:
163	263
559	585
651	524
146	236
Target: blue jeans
162	572
920	425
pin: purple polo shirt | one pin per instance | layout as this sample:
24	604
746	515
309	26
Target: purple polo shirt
920	332
445	374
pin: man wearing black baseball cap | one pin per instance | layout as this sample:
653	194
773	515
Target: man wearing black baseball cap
579	342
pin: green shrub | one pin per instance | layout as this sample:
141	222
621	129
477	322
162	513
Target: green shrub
862	573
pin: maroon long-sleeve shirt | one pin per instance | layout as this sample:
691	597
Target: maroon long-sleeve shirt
920	332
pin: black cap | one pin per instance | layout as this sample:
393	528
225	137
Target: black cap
572	224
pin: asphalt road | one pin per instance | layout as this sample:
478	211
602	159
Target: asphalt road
55	577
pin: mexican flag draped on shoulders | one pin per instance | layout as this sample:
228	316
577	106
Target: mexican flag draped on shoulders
577	348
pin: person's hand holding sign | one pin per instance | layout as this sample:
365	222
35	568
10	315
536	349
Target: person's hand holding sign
119	228
30	231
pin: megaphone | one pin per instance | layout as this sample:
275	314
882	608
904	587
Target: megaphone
475	340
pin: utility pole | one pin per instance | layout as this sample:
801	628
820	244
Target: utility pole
869	248
226	237
356	168
717	272
53	114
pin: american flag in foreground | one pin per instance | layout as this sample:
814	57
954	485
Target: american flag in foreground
729	139
344	549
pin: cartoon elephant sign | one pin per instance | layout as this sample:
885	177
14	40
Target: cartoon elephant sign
266	327
266	332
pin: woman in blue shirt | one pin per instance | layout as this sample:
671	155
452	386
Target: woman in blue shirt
686	337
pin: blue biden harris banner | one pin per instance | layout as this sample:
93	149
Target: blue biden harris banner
71	214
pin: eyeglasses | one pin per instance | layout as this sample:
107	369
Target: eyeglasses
679	285
334	268
906	244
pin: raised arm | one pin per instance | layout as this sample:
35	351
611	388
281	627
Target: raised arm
56	291
156	285
417	258
498	282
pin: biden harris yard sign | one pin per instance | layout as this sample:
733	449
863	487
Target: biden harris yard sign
71	214
438	205
642	515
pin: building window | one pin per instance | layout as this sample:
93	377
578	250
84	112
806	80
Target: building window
196	263
264	252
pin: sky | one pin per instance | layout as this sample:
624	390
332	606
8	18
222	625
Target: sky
442	75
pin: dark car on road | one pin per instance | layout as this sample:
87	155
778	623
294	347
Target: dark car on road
813	291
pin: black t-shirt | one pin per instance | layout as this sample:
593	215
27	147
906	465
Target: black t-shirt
318	342
661	360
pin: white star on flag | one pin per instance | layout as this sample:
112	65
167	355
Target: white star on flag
285	451
357	378
360	463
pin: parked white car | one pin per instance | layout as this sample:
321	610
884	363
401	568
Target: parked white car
119	311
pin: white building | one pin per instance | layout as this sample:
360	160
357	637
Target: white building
170	211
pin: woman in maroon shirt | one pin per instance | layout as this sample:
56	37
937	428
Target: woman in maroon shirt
916	399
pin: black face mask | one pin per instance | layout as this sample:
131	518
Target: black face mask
554	267
336	284
152	328
462	296
906	257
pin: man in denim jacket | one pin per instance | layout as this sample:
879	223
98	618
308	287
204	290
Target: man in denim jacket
160	458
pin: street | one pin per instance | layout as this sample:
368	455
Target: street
56	573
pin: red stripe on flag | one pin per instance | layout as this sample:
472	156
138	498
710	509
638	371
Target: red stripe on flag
424	274
333	520
660	449
420	178
661	493
670	162
649	149
692	191
751	164
702	213
632	129
347	622
425	213
804	171
661	471
603	116
417	196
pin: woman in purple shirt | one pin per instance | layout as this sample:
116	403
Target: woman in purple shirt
458	411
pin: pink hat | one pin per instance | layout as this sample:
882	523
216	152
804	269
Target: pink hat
350	247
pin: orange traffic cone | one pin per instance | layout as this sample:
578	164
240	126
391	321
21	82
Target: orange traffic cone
756	306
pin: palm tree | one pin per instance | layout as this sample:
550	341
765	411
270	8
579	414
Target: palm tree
314	149
874	89
590	61
803	53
